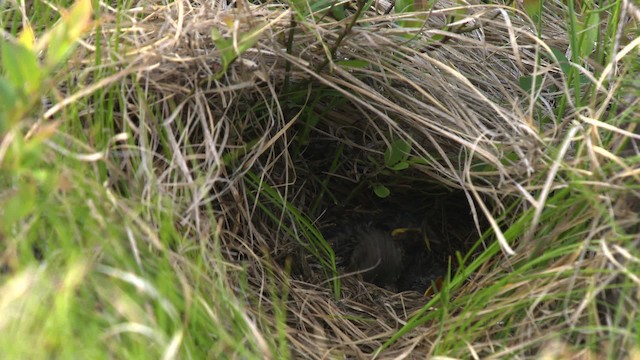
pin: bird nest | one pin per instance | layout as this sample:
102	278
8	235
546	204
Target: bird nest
356	165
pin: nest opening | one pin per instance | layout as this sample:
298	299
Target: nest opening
405	239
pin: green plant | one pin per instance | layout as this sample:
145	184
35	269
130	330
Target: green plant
226	45
397	157
25	75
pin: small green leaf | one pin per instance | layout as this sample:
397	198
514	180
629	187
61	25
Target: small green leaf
247	41
381	191
562	61
215	35
526	82
339	12
225	46
400	166
227	51
398	151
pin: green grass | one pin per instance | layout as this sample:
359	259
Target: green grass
108	285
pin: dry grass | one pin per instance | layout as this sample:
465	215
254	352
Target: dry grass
229	152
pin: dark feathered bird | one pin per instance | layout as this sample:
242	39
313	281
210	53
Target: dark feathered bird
394	258
378	257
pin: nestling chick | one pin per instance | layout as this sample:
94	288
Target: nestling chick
379	257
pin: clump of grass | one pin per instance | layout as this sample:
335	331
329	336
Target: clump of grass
166	199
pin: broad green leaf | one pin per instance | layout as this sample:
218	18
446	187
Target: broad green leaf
589	33
526	82
21	66
533	8
562	61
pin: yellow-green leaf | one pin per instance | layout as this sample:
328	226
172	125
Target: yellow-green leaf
65	34
27	37
21	66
